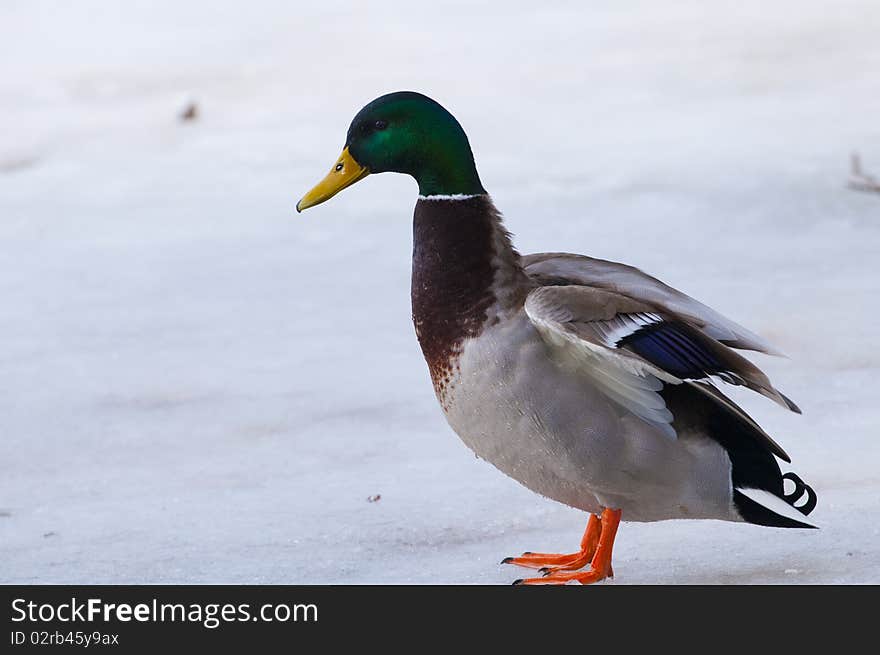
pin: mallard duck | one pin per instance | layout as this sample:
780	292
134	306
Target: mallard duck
588	381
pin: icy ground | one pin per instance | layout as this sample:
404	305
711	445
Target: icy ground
199	385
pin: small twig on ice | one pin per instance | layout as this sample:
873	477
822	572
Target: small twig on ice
190	113
861	181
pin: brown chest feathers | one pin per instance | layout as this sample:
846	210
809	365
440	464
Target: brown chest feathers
463	272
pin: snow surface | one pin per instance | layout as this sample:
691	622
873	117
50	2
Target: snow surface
198	385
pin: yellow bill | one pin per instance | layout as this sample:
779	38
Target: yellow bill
344	173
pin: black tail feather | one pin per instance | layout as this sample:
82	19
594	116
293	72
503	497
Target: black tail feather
800	488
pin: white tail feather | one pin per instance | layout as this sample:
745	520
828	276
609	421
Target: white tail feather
775	504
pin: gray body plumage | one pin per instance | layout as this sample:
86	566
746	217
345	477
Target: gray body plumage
553	431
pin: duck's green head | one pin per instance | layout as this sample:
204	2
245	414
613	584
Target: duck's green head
403	132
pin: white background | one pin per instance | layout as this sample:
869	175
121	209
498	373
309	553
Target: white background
198	385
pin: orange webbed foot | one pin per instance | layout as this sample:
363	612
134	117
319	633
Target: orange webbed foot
568	562
596	548
561	577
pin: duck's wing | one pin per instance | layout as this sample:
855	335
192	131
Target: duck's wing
630	347
564	268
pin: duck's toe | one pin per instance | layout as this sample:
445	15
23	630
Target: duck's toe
567	562
561	577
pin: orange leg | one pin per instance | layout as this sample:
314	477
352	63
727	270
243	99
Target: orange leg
569	562
600	567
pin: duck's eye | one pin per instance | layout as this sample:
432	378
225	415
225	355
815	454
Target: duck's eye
339	167
380	125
